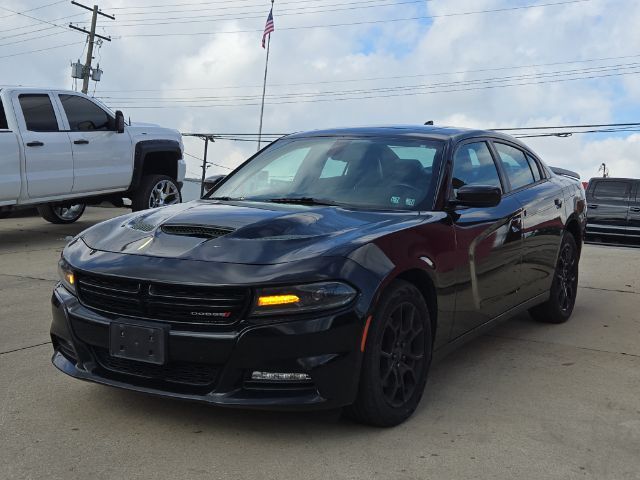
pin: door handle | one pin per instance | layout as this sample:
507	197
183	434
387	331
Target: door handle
558	202
635	209
592	206
35	144
81	142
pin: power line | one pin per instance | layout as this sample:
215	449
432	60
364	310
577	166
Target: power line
41	50
365	97
219	2
364	22
38	23
459	72
32	18
601	128
208	163
382	89
148	22
33	9
22	40
556	127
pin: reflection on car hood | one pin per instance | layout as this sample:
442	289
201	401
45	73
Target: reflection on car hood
245	232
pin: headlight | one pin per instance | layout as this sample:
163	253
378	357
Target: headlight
67	277
302	298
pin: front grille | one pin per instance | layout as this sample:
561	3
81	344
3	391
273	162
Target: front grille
172	303
186	373
202	231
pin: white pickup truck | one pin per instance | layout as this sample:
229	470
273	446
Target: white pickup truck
61	150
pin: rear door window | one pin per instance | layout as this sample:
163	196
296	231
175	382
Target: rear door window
4	125
515	165
84	115
38	113
535	168
612	190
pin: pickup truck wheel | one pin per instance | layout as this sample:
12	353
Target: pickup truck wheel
61	214
396	359
156	191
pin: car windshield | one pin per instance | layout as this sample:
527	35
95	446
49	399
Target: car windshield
379	173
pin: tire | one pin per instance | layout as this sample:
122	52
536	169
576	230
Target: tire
564	288
155	191
6	214
391	382
61	214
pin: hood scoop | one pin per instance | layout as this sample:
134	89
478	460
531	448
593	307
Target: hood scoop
200	231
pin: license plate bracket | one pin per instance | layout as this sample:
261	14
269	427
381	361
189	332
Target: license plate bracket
139	341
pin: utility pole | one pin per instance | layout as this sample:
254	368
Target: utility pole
86	70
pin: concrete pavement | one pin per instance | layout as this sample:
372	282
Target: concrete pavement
525	401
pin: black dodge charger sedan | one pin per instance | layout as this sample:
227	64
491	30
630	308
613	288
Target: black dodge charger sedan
328	270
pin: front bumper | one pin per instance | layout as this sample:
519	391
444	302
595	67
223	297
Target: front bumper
215	366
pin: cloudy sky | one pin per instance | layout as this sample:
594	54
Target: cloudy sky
197	66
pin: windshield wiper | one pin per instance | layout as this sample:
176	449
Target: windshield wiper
303	201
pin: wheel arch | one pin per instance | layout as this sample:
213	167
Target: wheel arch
424	283
573	227
159	157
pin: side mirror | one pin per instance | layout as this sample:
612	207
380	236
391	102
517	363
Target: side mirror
119	122
211	182
478	196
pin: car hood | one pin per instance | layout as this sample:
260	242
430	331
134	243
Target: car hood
245	232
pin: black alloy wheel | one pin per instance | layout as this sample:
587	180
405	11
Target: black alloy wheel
402	354
396	359
567	278
564	289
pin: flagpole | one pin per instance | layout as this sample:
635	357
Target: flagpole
264	86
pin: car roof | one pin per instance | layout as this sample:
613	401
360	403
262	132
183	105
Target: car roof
434	132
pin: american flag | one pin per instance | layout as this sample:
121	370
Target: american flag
268	28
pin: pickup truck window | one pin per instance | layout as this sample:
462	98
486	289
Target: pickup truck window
84	115
612	190
3	118
38	113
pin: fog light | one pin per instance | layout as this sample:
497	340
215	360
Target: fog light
280	377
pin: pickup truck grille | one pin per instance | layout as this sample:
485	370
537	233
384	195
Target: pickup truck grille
156	301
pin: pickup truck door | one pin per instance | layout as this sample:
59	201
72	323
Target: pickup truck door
47	150
102	158
608	207
9	162
633	220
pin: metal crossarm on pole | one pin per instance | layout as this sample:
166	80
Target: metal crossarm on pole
86	71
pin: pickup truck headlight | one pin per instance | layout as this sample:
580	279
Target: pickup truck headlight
302	298
67	277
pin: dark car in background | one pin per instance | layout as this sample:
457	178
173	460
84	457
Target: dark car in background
614	209
326	271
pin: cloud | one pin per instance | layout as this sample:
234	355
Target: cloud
204	66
